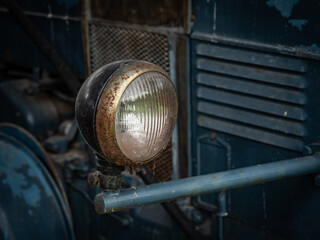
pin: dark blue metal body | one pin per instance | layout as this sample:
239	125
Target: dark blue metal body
58	20
290	26
38	112
254	84
31	203
254	94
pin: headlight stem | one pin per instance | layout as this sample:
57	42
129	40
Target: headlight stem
107	176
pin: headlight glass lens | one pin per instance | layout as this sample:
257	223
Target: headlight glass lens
146	116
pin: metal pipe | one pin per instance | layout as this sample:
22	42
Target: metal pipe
222	198
222	212
173	209
174	138
166	191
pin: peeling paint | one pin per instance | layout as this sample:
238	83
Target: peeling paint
313	47
283	6
19	186
31	195
22	175
298	23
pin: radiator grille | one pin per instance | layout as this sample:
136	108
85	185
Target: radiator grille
251	94
109	43
161	167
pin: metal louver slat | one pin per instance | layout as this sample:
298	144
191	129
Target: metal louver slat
250	95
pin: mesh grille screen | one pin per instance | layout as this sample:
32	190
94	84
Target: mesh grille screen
161	167
113	43
109	43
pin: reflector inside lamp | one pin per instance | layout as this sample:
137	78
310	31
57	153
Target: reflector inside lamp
146	116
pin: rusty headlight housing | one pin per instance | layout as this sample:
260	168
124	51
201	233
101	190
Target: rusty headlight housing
126	111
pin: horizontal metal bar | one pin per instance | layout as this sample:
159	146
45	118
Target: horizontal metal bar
167	191
253	103
279	140
253	88
46	15
253	73
253	118
300	51
252	57
159	29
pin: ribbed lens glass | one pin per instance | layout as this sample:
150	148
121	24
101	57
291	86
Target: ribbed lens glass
146	116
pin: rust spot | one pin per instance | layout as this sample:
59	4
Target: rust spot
213	136
215	179
200	119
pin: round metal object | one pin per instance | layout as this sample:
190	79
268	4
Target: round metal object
97	105
32	143
31	205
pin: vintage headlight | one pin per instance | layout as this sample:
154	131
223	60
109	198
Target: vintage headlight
127	111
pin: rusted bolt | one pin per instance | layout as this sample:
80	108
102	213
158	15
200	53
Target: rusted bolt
93	178
105	182
107	176
213	136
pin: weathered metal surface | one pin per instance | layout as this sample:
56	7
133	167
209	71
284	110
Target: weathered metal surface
250	133
259	58
108	104
258	74
64	8
254	81
110	202
29	196
217	202
182	58
111	42
29	140
86	16
38	112
44	15
107	176
173	209
250	94
161	166
58	21
289	27
151	12
263	120
252	103
256	119
252	88
70	79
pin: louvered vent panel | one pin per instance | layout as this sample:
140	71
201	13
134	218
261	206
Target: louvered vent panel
252	95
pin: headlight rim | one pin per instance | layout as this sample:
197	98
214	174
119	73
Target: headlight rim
107	109
87	101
